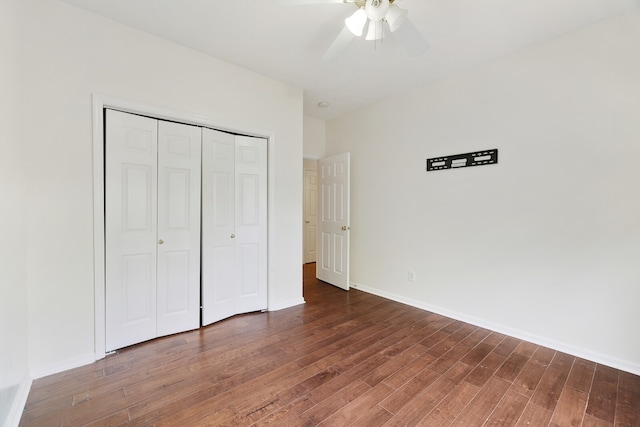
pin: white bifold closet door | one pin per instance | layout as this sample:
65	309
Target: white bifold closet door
234	225
152	228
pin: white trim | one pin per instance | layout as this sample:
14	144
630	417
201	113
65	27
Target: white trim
19	402
581	352
98	228
100	102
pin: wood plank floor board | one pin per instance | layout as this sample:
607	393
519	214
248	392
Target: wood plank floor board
354	345
484	370
581	375
591	421
335	402
549	388
289	415
512	367
603	395
628	403
507	346
409	370
534	415
508	411
450	358
494	339
562	362
423	403
570	409
393	365
529	377
451	406
525	348
354	410
483	404
478	353
343	358
375	417
409	391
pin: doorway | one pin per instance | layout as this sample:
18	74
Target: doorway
310	209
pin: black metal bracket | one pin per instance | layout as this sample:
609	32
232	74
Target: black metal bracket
477	158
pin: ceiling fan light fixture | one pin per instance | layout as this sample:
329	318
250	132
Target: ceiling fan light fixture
375	31
376	9
395	17
355	23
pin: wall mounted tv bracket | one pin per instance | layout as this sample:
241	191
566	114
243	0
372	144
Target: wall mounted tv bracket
477	158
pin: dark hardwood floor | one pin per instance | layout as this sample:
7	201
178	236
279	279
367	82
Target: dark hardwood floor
344	358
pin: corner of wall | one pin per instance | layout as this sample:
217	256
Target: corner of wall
281	305
314	138
19	402
65	365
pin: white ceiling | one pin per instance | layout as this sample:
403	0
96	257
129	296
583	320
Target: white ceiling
287	42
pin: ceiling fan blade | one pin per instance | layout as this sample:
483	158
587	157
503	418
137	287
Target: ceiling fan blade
339	44
411	39
295	2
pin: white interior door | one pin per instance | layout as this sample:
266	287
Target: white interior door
251	224
130	229
334	222
152	228
178	278
234	225
218	226
310	209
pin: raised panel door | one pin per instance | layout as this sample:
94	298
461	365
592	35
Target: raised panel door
333	225
251	224
310	211
178	279
130	229
218	226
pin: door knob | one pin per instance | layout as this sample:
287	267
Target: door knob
233	236
344	228
160	241
307	221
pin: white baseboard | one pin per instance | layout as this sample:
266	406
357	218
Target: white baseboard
583	353
19	402
63	366
286	304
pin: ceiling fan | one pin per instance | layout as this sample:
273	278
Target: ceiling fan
381	16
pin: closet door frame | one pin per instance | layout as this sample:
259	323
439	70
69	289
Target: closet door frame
102	102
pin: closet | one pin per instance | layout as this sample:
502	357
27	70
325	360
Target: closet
185	227
234	226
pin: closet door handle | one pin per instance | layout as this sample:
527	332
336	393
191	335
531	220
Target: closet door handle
233	236
160	241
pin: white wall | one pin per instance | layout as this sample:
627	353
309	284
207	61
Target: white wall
68	54
545	245
314	131
13	255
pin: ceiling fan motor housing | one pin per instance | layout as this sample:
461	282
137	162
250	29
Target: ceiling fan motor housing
376	9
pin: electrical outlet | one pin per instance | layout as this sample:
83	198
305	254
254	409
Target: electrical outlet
412	276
